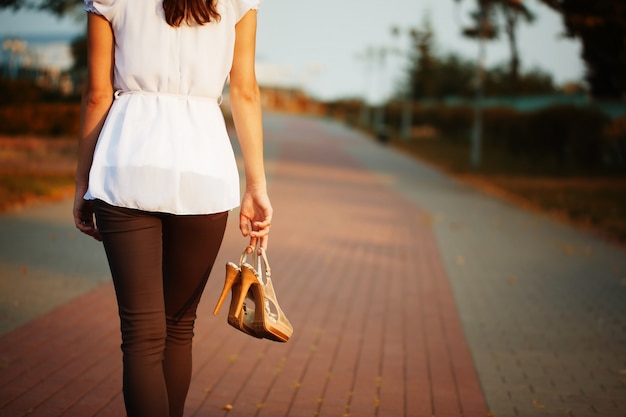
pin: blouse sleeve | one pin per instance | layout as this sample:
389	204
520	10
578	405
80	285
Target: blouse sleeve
102	7
243	6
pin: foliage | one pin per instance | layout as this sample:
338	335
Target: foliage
513	11
23	90
432	76
533	82
56	7
79	52
453	76
422	62
601	27
561	139
16	187
41	119
19	91
486	26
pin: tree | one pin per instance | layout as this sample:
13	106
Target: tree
433	76
421	71
512	12
601	27
56	7
79	53
531	82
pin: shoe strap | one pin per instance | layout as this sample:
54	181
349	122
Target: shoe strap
256	259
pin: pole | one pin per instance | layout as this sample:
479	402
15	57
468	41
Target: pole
365	113
407	116
476	138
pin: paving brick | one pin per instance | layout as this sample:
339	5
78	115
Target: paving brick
384	283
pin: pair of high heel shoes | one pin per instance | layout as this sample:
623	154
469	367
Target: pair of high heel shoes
254	308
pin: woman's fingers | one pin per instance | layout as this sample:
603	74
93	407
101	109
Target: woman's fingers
83	218
88	227
258	233
244	225
255	218
258	229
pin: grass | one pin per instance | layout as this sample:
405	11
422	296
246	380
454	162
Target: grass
596	202
19	188
35	168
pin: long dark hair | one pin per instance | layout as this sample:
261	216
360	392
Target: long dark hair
189	12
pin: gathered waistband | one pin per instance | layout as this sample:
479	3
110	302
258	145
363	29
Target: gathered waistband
118	93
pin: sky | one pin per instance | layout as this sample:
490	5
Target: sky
320	45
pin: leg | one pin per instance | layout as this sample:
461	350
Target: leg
190	246
132	240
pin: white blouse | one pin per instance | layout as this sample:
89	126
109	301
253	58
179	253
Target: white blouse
164	145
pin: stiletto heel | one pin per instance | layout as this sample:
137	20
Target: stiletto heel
232	273
239	316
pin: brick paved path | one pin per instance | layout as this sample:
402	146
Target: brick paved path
384	267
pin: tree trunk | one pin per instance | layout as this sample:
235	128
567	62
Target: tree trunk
511	32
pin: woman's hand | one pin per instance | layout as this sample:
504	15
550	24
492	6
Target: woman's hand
255	217
83	214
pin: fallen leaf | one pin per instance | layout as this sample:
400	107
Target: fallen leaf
538	404
227	407
568	249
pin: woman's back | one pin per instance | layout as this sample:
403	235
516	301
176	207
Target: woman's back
151	55
165	138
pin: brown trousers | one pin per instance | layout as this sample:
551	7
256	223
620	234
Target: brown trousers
160	264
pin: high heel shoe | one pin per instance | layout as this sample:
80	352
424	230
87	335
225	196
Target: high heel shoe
240	315
269	320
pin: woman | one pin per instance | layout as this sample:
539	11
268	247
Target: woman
156	169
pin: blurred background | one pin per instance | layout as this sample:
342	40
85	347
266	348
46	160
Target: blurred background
522	98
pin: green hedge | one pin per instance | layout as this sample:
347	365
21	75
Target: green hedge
567	137
563	134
